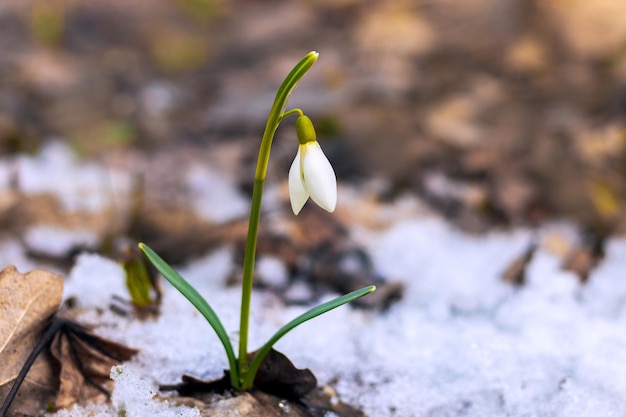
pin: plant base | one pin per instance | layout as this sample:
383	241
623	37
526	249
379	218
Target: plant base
280	389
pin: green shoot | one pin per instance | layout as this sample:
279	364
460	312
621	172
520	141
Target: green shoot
321	189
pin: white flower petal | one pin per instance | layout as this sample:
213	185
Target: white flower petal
298	195
319	177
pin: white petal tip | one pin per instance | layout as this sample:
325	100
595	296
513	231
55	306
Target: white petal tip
298	195
296	208
330	205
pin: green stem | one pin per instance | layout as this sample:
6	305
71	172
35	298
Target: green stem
275	116
290	112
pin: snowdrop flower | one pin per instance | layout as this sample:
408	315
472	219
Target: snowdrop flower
311	175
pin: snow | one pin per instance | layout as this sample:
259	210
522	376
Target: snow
460	343
56	241
94	280
80	186
134	395
210	190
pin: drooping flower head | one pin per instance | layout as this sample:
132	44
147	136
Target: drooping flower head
311	174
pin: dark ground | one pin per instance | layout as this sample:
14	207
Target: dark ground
496	112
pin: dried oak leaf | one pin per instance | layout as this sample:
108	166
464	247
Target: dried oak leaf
27	301
85	362
78	363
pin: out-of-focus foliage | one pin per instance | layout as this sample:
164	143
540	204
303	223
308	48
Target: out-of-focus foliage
46	22
494	111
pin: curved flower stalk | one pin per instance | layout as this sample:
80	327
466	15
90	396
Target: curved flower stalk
310	175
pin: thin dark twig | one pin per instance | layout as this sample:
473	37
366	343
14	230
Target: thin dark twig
43	342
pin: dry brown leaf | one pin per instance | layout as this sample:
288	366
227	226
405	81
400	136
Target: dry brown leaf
85	361
37	390
26	303
80	362
71	379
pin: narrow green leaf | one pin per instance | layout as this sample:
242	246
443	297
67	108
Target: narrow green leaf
199	303
314	312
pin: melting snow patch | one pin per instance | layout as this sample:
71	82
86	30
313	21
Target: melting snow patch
460	343
215	198
94	281
57	242
134	395
79	186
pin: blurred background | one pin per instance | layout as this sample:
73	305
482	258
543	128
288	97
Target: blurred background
494	112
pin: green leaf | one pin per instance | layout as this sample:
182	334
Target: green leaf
199	303
314	312
138	281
